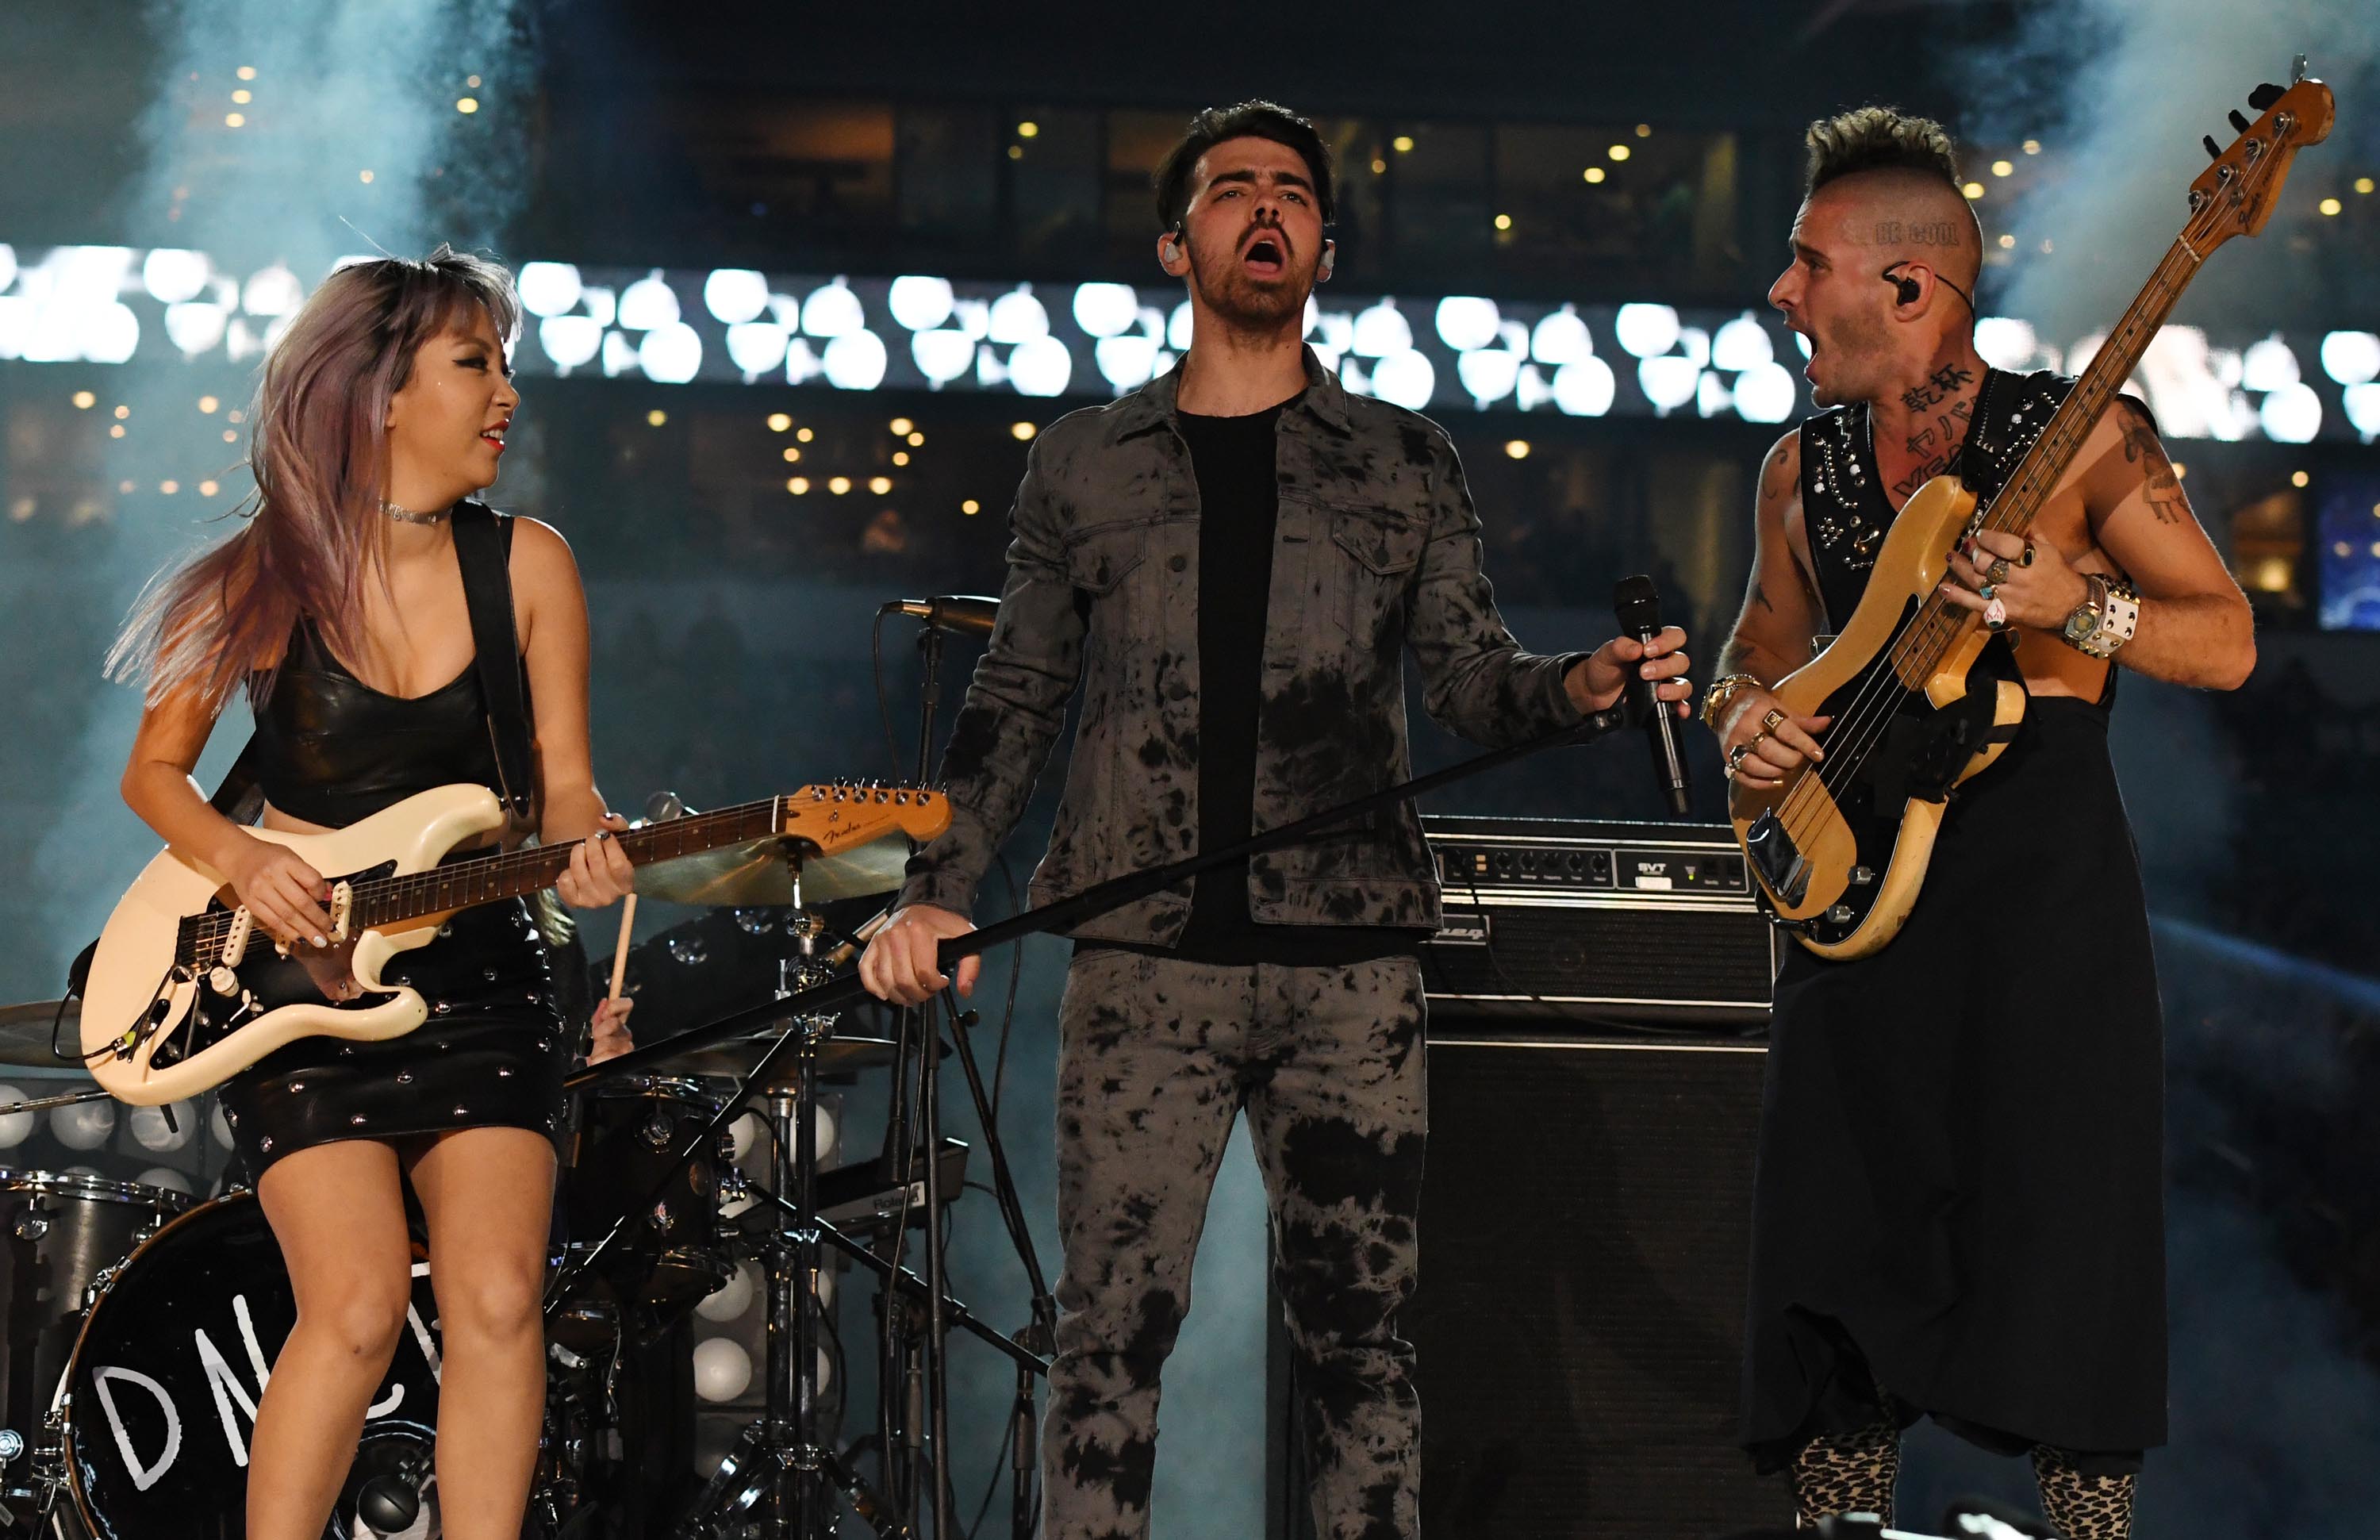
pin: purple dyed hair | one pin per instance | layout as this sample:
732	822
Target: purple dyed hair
319	450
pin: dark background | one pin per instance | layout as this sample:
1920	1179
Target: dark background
733	651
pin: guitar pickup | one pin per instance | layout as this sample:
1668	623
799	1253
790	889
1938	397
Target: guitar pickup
343	908
243	925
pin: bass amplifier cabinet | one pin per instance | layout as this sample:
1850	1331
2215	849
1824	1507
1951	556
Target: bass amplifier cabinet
1586	1225
1562	920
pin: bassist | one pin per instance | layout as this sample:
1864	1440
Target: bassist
1959	1204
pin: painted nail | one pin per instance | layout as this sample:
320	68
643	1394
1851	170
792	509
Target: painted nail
320	942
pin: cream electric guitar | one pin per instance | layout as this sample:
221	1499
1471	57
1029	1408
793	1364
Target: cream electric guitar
184	992
1919	701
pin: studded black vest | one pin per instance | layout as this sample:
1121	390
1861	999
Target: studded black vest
1844	507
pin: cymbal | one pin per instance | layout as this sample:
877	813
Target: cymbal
736	1058
755	874
25	1036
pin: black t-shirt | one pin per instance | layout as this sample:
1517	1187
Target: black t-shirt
1239	501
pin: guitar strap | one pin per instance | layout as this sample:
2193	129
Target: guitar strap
484	551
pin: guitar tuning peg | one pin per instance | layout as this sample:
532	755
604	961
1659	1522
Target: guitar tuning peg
2213	150
2238	122
2264	96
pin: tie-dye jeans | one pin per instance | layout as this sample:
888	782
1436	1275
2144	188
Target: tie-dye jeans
1158	1056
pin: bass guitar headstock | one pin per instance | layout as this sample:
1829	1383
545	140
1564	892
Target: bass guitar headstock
2238	193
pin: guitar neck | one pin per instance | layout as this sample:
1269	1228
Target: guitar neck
516	874
2037	475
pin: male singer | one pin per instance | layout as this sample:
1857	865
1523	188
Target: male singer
1234	559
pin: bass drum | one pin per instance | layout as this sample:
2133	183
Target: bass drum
159	1400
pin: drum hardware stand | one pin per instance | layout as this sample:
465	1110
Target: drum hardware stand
905	1287
778	1463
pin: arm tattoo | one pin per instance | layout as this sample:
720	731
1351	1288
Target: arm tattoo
2159	485
1760	595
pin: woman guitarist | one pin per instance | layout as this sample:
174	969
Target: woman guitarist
339	607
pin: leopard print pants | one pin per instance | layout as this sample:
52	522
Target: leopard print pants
1853	1472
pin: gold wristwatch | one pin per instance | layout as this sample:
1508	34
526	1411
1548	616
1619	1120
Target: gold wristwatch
1721	691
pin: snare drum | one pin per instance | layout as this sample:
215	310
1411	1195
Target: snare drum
629	1132
58	1234
159	1400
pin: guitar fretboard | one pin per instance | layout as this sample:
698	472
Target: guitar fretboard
459	884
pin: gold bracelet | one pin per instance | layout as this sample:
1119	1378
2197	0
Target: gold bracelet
1715	699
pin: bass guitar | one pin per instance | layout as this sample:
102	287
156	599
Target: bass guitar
1919	702
183	994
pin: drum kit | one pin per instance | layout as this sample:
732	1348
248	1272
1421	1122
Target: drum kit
141	1322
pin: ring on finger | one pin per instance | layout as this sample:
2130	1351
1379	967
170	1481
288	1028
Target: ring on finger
2026	560
1985	590
1997	573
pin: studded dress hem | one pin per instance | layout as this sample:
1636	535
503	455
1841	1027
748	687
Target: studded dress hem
492	1053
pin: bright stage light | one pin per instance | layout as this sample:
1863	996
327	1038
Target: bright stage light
1465	323
1742	344
1106	309
8	264
2292	415
1040	366
920	304
1381	332
111	333
2269	365
1404	378
856	361
2006	343
1488	374
170	275
1561	338
195	326
1126	362
757	347
2363	410
274	291
1766	393
1667	382
1177	328
2351	357
1585	388
548	288
649	303
832	310
1018	317
671	355
735	294
569	340
943	356
1646	330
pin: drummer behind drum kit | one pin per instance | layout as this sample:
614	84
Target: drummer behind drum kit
142	1323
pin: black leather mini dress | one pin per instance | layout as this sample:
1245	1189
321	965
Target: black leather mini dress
331	750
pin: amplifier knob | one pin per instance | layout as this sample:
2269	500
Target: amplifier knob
1529	860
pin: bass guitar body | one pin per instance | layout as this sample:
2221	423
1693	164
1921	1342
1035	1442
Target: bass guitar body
1841	848
182	996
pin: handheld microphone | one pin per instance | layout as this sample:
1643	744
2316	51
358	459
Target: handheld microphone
1638	608
968	613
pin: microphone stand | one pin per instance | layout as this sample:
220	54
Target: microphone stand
1091	903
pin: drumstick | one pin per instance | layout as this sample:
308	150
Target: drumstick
620	952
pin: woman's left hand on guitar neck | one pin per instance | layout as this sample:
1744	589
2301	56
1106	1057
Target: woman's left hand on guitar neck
2039	594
